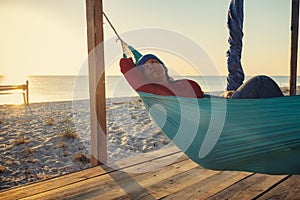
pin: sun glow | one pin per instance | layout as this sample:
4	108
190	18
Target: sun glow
14	77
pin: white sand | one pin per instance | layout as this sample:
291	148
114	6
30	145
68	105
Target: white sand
35	146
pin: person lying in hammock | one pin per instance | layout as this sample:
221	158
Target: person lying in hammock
151	75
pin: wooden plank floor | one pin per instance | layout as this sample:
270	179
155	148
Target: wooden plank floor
164	174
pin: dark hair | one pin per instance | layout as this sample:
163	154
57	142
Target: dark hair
169	78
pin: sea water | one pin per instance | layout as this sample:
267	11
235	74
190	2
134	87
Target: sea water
66	88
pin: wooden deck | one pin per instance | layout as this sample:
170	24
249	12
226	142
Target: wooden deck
175	177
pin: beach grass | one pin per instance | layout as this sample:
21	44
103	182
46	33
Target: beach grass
69	133
20	140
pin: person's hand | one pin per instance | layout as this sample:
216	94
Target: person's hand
228	94
126	64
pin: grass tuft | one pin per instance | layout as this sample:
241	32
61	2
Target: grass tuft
20	140
49	121
28	151
82	157
2	168
61	145
69	133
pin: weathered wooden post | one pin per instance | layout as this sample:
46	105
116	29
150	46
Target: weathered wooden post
294	46
96	81
27	92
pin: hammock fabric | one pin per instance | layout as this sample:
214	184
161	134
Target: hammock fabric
256	135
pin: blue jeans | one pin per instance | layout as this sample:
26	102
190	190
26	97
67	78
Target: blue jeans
235	20
258	87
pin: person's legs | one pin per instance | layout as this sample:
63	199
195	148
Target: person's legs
258	87
235	19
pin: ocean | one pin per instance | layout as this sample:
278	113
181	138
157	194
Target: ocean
66	88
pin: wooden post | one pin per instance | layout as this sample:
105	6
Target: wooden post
96	81
294	46
27	92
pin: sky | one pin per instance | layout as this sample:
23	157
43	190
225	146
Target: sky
48	37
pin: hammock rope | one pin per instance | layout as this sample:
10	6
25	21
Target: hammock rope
128	51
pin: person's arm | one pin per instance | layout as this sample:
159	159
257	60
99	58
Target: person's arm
138	81
134	77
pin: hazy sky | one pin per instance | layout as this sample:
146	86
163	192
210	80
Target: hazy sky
49	36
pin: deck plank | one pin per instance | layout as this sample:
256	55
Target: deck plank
288	189
100	184
177	183
250	187
61	181
50	184
210	186
145	181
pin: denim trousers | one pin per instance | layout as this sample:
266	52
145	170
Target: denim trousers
258	87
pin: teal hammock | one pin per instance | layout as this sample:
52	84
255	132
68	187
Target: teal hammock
255	135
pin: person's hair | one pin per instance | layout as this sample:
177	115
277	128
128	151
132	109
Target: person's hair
146	57
169	78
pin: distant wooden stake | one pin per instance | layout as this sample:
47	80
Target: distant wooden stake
294	46
96	81
27	93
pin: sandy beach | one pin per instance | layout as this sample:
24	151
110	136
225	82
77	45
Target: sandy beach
45	140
